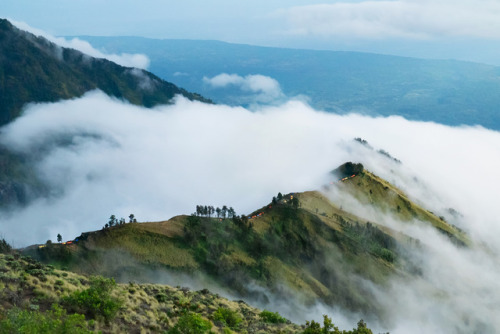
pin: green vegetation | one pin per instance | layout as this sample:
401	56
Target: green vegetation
281	244
272	317
32	298
329	328
348	169
191	323
371	239
54	321
36	70
5	248
372	190
113	221
96	301
36	298
300	245
208	211
227	318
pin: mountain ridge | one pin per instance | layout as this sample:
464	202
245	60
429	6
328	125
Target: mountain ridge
37	70
300	244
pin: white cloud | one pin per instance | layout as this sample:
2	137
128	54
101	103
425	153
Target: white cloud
137	148
266	88
144	81
157	163
125	59
402	18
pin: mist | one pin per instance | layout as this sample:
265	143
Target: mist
136	60
103	156
258	88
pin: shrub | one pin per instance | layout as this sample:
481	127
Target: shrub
95	301
227	317
272	317
55	321
5	248
161	297
191	323
387	255
329	328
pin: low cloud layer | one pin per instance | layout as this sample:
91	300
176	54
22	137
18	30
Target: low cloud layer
263	89
191	153
415	19
125	59
157	163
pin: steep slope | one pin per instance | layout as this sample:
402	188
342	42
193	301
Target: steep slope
445	91
300	244
371	190
33	69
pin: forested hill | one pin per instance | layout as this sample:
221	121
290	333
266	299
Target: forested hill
32	69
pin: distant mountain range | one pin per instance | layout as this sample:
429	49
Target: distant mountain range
444	91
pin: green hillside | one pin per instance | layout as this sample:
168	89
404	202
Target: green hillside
33	69
41	296
285	246
299	246
37	298
371	190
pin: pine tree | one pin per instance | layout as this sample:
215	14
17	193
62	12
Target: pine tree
112	220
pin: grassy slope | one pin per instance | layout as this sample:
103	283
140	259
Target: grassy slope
36	70
303	254
317	251
146	308
370	189
230	259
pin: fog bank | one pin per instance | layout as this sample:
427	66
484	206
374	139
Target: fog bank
102	156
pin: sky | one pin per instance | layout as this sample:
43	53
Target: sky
462	29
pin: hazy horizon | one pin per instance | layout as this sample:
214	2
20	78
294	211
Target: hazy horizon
444	29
